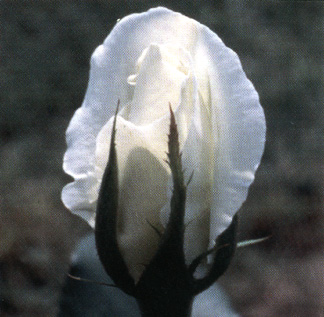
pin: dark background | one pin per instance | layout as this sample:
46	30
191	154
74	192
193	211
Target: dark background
45	48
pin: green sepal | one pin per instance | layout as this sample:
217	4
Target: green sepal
106	223
164	288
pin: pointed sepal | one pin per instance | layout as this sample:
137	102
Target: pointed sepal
164	288
106	223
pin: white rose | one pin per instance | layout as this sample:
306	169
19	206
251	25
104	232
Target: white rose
149	61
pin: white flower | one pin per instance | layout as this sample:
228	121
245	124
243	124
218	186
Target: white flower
148	61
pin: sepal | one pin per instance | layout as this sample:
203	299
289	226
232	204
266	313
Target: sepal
106	223
167	285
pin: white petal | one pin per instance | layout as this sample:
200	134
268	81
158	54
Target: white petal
238	124
158	84
232	103
111	64
142	190
78	196
198	159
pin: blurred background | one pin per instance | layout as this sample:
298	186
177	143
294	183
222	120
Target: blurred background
45	48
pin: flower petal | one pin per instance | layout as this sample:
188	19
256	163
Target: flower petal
142	190
158	84
198	159
238	127
238	124
77	197
111	65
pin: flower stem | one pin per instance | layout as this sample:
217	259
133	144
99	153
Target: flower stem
166	305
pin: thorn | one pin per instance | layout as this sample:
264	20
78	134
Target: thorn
190	221
167	161
159	233
89	281
247	243
190	178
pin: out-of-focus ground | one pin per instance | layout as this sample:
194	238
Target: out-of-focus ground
45	47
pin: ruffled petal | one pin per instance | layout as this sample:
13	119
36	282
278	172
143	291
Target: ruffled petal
231	106
78	197
111	65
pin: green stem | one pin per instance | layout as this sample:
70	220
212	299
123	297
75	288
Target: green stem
165	304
